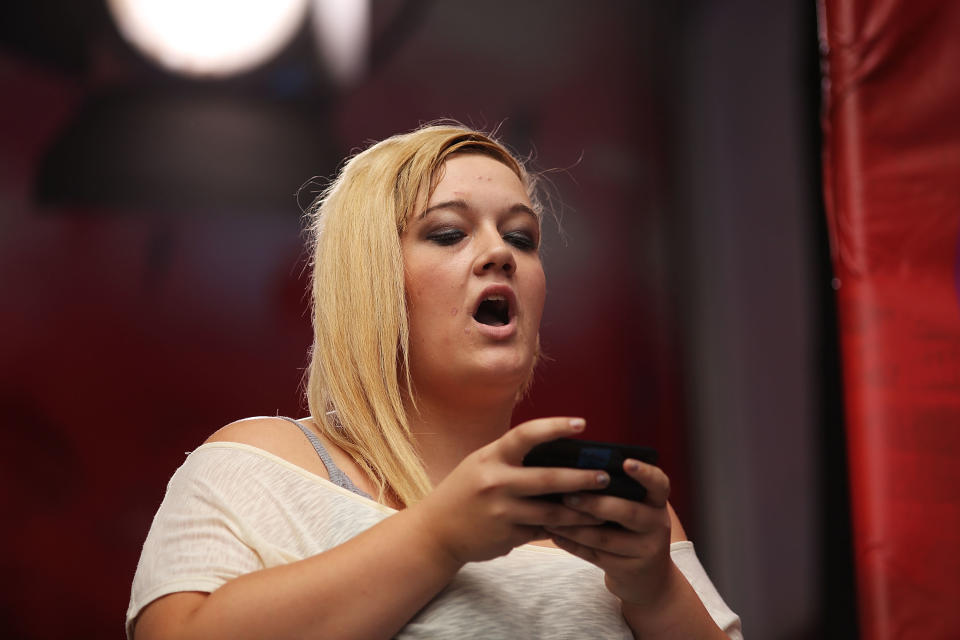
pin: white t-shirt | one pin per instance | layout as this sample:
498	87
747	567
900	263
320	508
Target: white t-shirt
231	509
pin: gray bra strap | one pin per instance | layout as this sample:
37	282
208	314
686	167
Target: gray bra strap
337	476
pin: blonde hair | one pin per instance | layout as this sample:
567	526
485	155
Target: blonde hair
359	362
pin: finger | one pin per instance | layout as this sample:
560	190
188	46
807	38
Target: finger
634	516
525	534
550	514
610	539
535	481
652	478
517	442
590	554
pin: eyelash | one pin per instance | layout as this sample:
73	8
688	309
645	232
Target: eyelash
449	237
521	240
446	237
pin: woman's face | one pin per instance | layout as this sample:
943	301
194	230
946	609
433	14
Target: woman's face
474	282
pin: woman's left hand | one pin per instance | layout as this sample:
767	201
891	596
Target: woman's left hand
636	555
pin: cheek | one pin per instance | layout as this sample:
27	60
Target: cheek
430	296
537	293
416	277
417	301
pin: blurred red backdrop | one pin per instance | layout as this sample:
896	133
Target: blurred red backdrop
136	321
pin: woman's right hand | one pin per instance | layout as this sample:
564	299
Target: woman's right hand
486	506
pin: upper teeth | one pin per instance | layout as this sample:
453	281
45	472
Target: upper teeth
496	298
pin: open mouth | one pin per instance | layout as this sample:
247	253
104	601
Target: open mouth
494	311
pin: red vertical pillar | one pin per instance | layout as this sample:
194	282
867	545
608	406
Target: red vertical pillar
891	124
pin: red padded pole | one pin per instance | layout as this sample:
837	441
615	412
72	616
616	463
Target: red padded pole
891	124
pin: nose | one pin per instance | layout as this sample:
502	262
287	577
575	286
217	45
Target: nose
495	256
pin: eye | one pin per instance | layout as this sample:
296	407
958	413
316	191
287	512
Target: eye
522	240
446	237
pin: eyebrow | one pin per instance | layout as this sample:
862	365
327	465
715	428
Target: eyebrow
462	205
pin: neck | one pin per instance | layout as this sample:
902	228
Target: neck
446	432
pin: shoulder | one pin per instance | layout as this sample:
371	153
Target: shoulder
677	534
276	436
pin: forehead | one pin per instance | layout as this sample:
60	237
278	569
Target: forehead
475	172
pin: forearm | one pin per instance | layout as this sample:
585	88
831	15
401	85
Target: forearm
368	587
676	613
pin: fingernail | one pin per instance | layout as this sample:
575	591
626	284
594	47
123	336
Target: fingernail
571	500
632	465
602	479
577	424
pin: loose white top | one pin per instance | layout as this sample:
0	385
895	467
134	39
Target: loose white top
231	509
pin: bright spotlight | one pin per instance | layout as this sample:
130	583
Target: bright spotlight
342	33
209	37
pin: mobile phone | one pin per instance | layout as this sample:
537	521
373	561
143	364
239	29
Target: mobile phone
584	454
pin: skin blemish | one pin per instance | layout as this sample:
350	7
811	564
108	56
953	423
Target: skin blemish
454	311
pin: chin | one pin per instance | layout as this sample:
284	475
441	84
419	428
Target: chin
509	375
493	376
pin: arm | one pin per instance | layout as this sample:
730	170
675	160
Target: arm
327	594
657	600
677	613
373	584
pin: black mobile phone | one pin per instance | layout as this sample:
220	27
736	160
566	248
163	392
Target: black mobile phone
584	454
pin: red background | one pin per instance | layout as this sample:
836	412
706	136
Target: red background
892	177
136	321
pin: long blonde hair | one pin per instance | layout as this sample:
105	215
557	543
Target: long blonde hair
359	362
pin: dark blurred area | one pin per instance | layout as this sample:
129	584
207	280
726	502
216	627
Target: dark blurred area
152	283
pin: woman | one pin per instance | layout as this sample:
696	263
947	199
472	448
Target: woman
427	291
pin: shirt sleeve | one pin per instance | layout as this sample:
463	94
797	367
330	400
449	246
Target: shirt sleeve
197	541
685	557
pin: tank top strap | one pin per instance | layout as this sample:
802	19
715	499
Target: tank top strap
337	476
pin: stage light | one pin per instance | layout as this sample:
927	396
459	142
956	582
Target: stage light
342	35
208	37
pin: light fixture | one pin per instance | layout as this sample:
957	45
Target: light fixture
209	37
342	34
